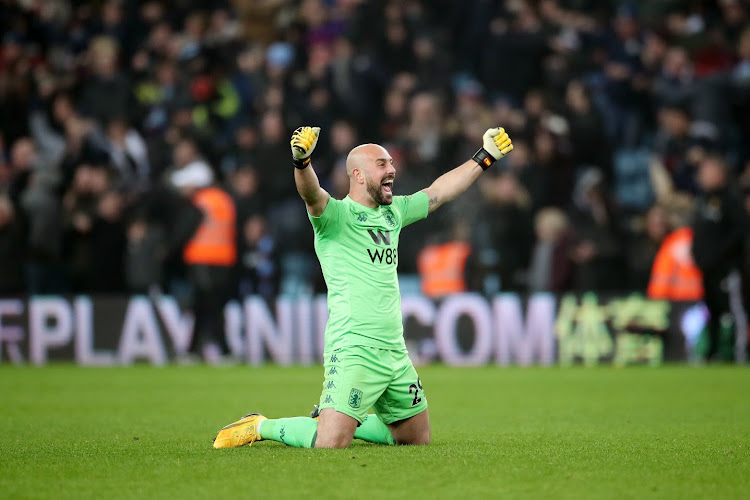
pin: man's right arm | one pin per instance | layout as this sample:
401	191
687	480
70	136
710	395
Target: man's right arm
303	142
308	187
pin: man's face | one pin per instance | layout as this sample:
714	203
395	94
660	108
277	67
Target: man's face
711	175
23	154
184	153
379	176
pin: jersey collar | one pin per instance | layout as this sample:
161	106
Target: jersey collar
360	207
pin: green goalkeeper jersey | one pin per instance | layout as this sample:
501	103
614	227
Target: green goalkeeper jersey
358	251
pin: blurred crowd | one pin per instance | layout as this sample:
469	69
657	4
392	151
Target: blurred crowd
114	113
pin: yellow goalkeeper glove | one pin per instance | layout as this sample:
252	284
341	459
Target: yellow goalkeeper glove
495	145
303	142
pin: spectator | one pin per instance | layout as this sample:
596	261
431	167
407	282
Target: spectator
523	40
739	90
597	251
557	172
550	267
425	130
112	22
258	260
85	144
81	205
274	145
623	42
12	249
394	111
734	16
106	93
108	244
243	152
128	155
503	235
244	187
41	209
521	164
17	61
673	145
143	257
47	121
674	84
643	248
718	248
356	83
343	137
210	257
587	130
746	262
396	48
156	96
23	161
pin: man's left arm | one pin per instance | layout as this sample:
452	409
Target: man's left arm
448	186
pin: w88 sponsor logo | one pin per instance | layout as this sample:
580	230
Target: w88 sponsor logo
381	255
388	256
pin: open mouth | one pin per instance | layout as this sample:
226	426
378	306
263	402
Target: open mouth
387	186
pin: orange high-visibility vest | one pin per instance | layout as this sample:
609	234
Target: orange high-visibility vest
442	267
214	242
674	275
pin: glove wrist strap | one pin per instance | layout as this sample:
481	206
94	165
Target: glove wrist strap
483	158
301	164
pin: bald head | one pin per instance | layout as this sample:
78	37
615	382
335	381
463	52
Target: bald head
363	154
371	174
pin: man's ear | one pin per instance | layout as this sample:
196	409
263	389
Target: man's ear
358	176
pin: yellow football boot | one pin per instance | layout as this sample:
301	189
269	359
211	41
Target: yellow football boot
242	432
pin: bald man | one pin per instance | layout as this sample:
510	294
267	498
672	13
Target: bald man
366	365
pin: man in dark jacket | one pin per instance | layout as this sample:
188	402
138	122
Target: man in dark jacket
12	247
718	251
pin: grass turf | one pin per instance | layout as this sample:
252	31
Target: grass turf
69	432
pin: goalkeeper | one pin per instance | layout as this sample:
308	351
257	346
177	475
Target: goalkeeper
366	365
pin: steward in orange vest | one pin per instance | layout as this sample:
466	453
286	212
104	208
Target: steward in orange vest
442	267
210	256
215	241
674	275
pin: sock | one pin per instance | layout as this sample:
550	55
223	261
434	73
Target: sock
299	432
373	430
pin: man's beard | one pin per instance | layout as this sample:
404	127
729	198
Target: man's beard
376	191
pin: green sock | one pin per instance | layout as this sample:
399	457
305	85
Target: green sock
373	430
299	432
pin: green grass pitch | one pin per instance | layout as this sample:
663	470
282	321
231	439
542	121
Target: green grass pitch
143	432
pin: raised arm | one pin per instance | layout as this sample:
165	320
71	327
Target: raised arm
448	186
303	143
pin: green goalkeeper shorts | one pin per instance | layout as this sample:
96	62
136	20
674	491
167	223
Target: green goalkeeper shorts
358	378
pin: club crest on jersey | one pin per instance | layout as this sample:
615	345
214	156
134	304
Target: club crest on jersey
389	218
355	398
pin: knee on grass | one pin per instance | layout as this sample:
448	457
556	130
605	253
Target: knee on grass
336	441
423	437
